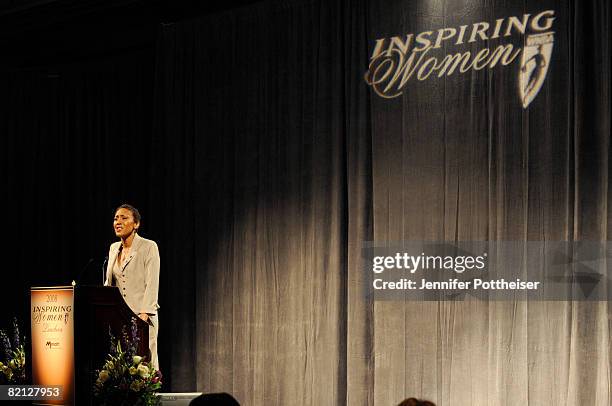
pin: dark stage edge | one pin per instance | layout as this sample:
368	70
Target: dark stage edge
178	399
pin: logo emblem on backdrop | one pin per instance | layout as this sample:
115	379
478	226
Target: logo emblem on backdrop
534	65
435	54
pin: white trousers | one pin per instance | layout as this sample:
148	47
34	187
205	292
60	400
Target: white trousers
153	329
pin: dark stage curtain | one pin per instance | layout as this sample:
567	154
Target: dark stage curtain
75	144
257	116
261	161
289	162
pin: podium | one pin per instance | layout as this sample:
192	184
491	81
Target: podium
70	337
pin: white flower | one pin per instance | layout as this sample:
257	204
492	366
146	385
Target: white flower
133	370
137	359
143	371
103	375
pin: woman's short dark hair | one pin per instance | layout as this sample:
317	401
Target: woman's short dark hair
214	399
416	402
134	210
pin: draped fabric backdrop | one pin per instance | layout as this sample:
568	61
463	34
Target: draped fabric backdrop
262	161
295	163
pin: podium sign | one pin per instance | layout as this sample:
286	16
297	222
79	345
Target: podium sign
70	337
52	318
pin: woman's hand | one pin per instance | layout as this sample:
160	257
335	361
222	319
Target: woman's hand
144	317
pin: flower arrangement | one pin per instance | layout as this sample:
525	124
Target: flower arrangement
12	356
126	379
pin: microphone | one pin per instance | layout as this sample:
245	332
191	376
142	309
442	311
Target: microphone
82	271
104	270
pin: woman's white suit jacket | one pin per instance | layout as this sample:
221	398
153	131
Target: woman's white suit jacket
140	275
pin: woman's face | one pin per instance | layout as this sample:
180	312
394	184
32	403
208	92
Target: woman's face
123	223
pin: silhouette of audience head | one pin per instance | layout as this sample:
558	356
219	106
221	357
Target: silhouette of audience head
415	402
214	399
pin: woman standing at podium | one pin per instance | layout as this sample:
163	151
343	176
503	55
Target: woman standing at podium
133	266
